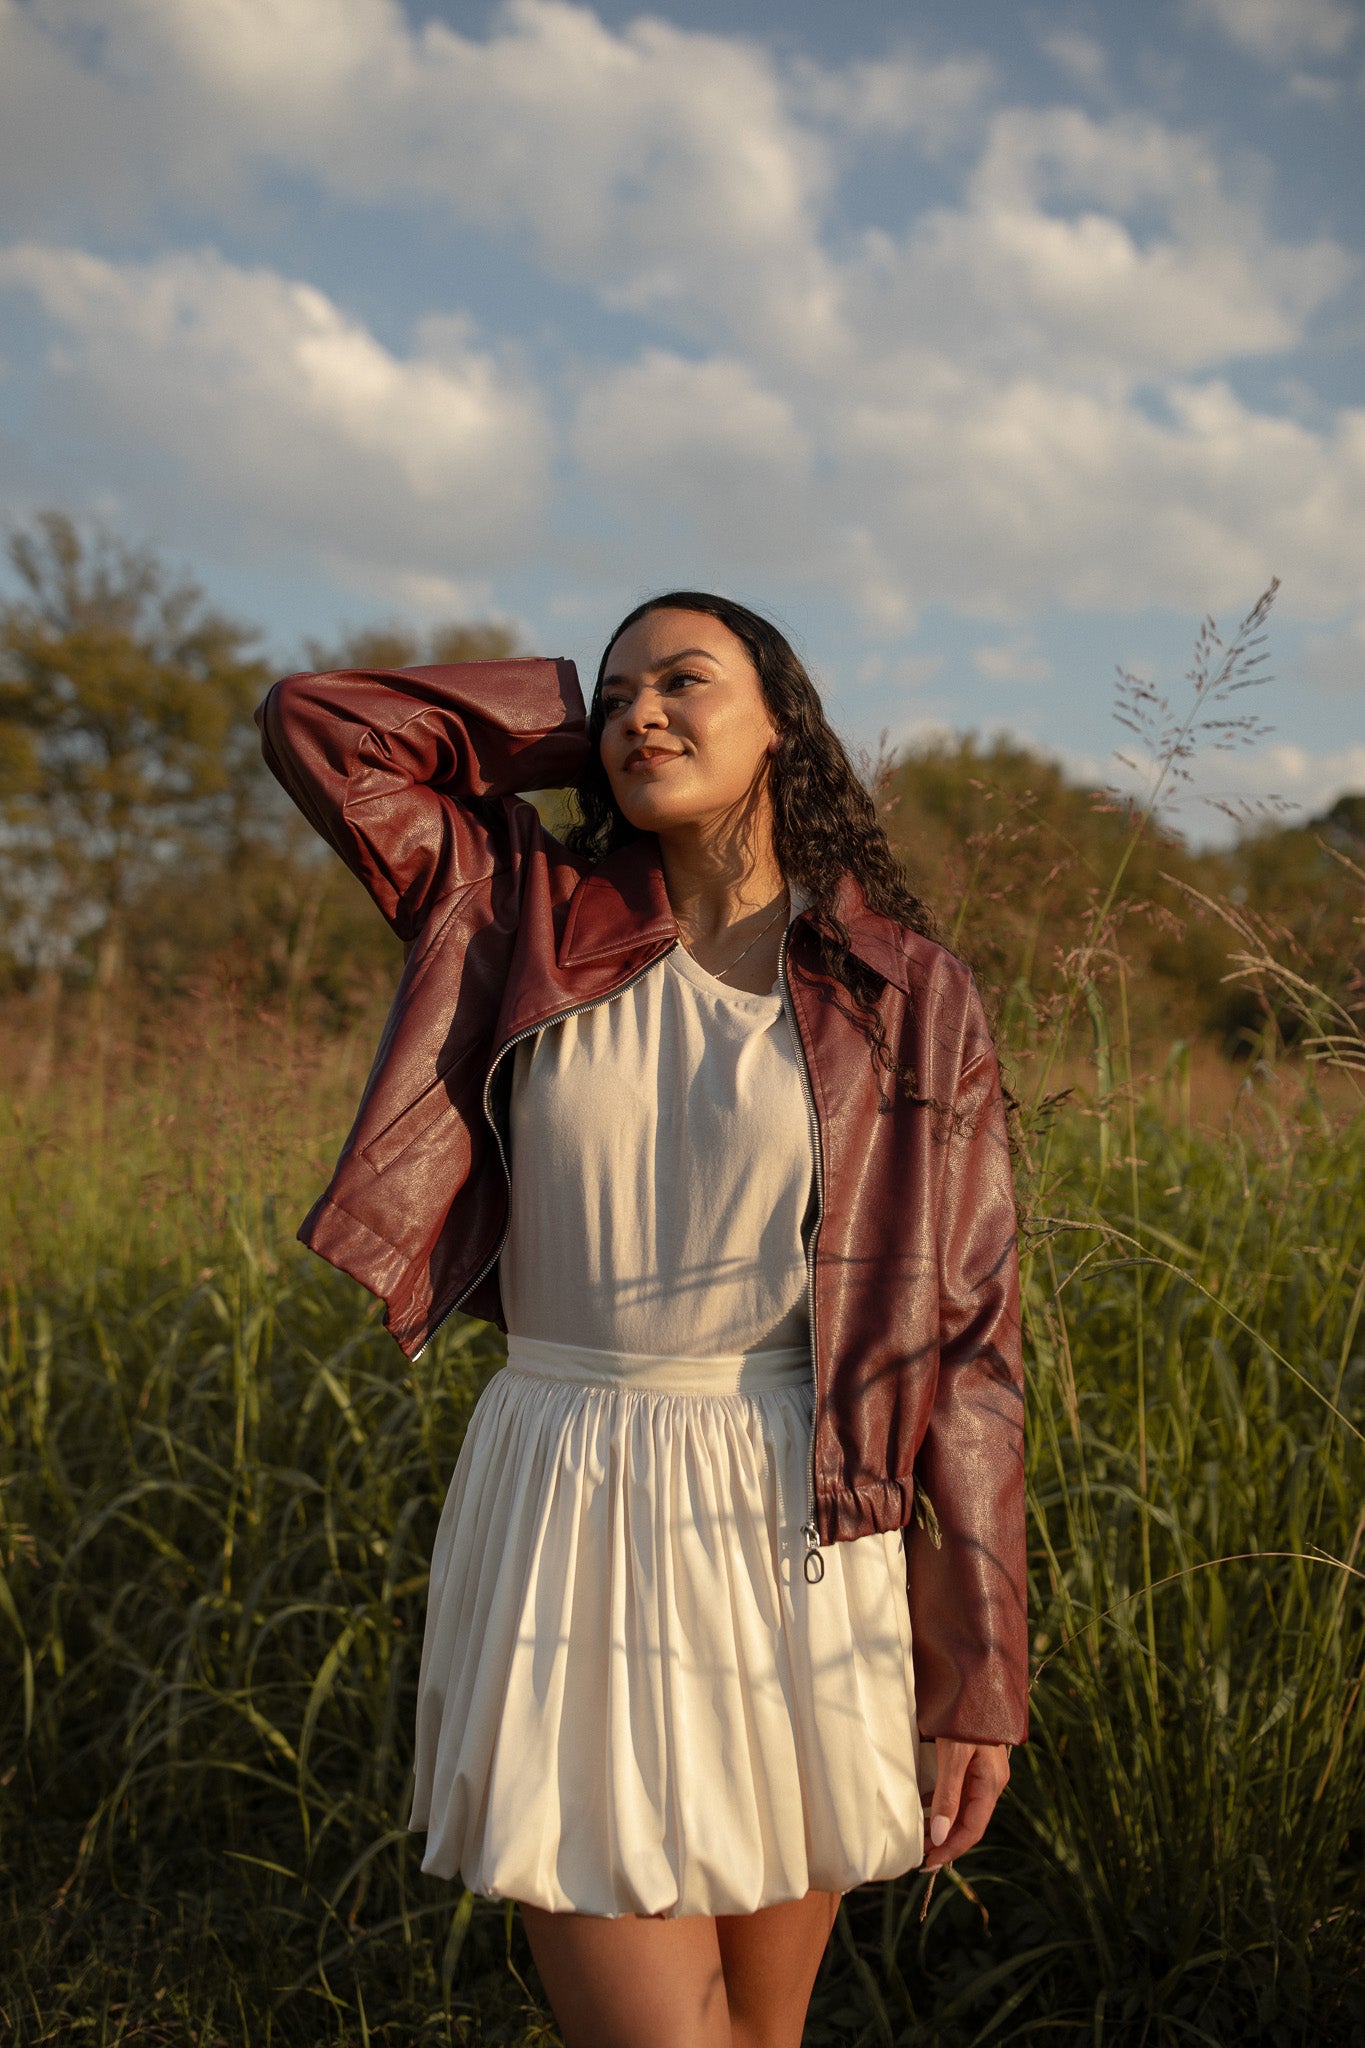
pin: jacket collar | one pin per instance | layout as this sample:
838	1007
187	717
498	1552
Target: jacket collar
877	939
622	906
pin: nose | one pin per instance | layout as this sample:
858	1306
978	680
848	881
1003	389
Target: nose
645	711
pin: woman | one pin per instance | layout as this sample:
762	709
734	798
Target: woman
695	1108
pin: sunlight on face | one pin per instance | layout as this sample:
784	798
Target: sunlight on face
687	732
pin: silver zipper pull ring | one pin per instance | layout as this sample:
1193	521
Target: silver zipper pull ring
813	1569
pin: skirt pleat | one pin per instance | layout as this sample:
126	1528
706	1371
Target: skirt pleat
630	1699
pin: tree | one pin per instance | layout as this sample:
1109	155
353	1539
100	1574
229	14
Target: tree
285	918
126	747
398	646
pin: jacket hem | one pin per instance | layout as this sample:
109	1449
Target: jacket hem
364	1256
875	1507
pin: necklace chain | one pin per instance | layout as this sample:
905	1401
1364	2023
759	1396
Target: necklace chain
720	973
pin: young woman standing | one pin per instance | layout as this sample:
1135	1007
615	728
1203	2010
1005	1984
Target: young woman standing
732	1560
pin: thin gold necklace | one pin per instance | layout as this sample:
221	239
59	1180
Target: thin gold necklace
720	974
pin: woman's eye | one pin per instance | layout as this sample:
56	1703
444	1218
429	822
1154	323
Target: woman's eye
611	704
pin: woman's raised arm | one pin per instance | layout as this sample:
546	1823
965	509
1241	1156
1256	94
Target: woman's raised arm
402	770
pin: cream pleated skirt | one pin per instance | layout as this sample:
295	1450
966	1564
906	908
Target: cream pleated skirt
631	1701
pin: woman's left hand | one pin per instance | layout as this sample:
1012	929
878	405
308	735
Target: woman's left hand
970	1777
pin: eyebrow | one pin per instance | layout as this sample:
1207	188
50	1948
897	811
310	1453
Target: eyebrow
657	668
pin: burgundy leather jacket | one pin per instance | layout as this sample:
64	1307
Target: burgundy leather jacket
412	774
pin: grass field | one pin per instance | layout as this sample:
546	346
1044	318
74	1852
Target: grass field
221	1482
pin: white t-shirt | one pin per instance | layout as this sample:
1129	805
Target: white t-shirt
662	1173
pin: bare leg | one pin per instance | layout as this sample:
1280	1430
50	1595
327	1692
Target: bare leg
770	1960
632	1982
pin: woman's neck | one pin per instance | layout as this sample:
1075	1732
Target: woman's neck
716	878
729	897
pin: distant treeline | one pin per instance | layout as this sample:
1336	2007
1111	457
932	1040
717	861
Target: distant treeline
1018	862
143	847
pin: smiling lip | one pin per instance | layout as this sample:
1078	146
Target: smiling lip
654	757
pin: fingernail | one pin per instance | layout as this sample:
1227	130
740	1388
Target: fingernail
940	1827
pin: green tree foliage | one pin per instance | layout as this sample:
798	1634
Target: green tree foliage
123	705
289	920
1299	891
394	645
1016	860
140	835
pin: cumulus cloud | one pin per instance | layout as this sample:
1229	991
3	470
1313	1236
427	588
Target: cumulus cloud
990	495
676	174
1080	56
713	460
662	165
1019	396
267	400
1040	265
1011	661
934	101
1277	30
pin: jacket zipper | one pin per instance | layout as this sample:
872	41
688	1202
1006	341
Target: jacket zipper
558	1017
813	1565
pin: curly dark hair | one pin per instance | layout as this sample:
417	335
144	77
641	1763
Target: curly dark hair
824	821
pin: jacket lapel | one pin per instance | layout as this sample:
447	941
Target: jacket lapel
875	938
621	906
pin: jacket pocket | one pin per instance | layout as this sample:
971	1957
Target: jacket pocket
419	1120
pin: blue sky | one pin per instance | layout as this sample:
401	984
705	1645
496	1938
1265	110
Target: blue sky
987	347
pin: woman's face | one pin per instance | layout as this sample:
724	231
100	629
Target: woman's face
686	733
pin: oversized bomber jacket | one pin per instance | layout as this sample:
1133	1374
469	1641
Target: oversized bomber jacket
412	776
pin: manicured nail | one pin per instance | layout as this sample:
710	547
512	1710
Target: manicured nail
940	1827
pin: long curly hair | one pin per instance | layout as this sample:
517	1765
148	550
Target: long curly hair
825	823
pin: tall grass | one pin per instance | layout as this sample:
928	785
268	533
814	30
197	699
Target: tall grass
130	1132
220	1491
1183	1854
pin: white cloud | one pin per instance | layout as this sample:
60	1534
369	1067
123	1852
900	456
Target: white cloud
682	175
985	496
1040	266
659	165
989	495
645	420
1081	57
905	671
274	406
911	735
1278	780
704	455
1019	399
1277	30
1010	661
936	103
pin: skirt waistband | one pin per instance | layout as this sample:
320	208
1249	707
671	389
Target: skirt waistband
740	1372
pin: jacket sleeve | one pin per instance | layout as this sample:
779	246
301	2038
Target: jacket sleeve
968	1588
401	770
